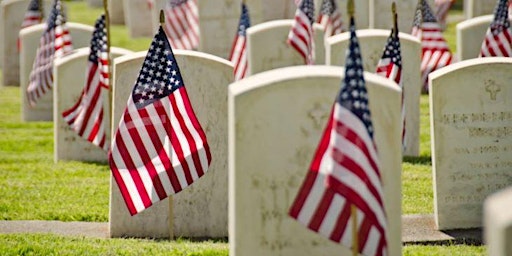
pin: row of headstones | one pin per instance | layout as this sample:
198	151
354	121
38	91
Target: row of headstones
276	55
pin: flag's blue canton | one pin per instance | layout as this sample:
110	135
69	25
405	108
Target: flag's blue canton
245	22
308	8
159	75
175	3
423	14
98	40
353	95
393	50
34	6
328	7
501	21
56	16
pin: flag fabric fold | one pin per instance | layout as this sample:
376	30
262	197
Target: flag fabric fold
55	42
238	55
330	18
435	51
345	171
159	147
86	116
182	24
498	39
390	66
301	36
33	16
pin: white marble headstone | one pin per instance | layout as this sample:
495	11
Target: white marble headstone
29	41
381	15
68	86
276	119
138	18
475	8
267	47
116	11
470	36
200	210
12	13
498	223
372	42
471	128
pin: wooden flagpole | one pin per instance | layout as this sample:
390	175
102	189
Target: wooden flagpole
109	65
41	9
395	19
353	209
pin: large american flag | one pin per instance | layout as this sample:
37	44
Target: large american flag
55	42
159	147
442	8
330	18
435	51
498	39
345	170
238	55
182	24
301	34
390	66
86	116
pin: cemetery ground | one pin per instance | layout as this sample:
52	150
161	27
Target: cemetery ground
33	187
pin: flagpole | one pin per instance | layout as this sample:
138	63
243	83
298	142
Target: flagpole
41	9
395	19
109	85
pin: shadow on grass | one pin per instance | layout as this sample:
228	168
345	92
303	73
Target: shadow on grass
426	160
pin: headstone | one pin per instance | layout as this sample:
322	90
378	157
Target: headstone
70	78
276	119
471	124
138	18
470	36
95	3
381	16
29	41
267	47
116	11
498	223
475	8
372	42
12	13
200	210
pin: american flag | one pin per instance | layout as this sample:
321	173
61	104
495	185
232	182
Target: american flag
86	116
435	51
330	18
498	39
159	147
150	3
238	55
182	24
390	66
55	42
301	34
33	15
345	170
442	8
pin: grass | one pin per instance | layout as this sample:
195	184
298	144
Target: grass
32	187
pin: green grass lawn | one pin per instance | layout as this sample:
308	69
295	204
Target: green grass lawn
33	187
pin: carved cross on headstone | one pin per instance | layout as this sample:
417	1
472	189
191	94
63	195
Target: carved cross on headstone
492	88
318	114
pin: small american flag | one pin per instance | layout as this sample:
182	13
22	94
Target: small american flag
86	116
238	55
182	24
330	18
345	170
442	8
390	66
498	39
55	42
159	147
301	34
33	15
435	51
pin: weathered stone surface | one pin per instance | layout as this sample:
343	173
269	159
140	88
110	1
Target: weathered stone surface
470	36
